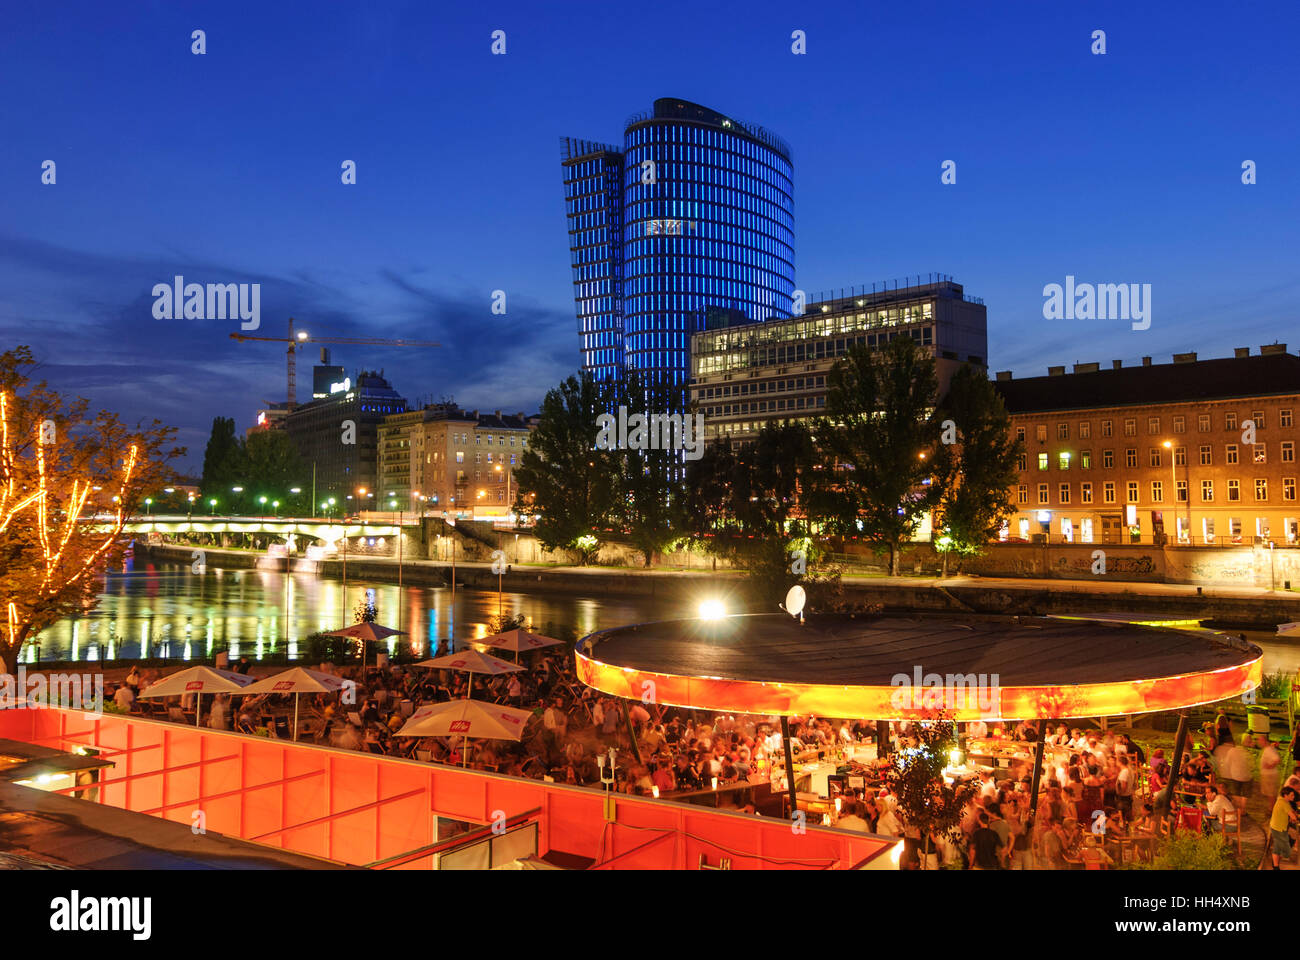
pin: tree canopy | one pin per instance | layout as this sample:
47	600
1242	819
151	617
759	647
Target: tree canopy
69	479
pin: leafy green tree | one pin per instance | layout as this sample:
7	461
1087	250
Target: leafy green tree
566	487
274	467
879	429
743	503
927	804
979	469
223	461
650	505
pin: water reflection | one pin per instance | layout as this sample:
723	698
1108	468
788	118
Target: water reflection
167	610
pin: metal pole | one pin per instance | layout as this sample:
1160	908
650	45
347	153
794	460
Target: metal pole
789	764
401	515
631	731
1180	741
1040	743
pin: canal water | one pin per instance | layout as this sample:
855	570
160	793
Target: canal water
167	610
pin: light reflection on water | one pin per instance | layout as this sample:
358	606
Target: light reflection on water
166	610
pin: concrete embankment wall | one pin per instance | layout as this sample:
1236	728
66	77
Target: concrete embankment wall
685	589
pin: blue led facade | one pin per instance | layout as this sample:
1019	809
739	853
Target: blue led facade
698	228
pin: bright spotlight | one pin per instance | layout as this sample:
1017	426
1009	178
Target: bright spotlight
712	610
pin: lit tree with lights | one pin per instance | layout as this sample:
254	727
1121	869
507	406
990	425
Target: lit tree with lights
927	803
69	481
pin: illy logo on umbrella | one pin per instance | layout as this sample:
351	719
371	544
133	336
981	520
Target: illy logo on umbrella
459	726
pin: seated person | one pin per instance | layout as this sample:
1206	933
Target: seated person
1218	806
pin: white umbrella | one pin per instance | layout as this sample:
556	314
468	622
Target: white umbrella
198	680
471	661
367	633
466	718
517	640
298	680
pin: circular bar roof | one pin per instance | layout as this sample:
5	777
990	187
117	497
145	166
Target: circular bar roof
907	666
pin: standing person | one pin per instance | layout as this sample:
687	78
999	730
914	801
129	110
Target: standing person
1223	728
242	666
1269	762
1278	824
1235	771
1125	782
985	849
609	724
555	723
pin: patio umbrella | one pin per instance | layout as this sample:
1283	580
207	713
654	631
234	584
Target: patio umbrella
367	633
198	680
519	639
297	681
471	661
466	718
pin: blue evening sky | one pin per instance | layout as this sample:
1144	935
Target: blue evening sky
226	168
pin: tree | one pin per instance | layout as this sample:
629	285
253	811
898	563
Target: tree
273	466
223	465
877	436
743	504
649	505
567	487
979	469
69	480
927	803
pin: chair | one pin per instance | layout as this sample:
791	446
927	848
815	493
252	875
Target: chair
1231	823
176	715
354	718
1190	818
425	755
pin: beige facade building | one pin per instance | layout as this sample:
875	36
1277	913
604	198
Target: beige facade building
1193	451
746	376
449	462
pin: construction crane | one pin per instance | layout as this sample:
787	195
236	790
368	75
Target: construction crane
294	340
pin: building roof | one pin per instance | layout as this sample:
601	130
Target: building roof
1190	381
842	665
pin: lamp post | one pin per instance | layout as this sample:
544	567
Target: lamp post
148	505
189	515
276	505
1173	488
212	506
262	501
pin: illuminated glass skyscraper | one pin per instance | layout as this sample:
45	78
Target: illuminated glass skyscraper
690	224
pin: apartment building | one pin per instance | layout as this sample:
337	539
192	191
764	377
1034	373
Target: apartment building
450	462
1194	451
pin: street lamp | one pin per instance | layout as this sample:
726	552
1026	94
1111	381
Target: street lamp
262	501
276	505
189	515
148	505
212	506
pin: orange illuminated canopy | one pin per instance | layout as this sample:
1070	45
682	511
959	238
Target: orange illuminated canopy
907	666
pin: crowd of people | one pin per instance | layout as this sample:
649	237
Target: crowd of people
1097	789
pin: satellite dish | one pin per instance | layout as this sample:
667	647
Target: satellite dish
795	598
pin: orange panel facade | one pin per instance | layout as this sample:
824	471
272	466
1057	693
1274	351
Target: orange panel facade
358	808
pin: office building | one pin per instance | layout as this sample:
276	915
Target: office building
746	376
692	216
338	437
1194	451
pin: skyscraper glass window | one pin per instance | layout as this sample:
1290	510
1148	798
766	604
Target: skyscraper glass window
690	225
